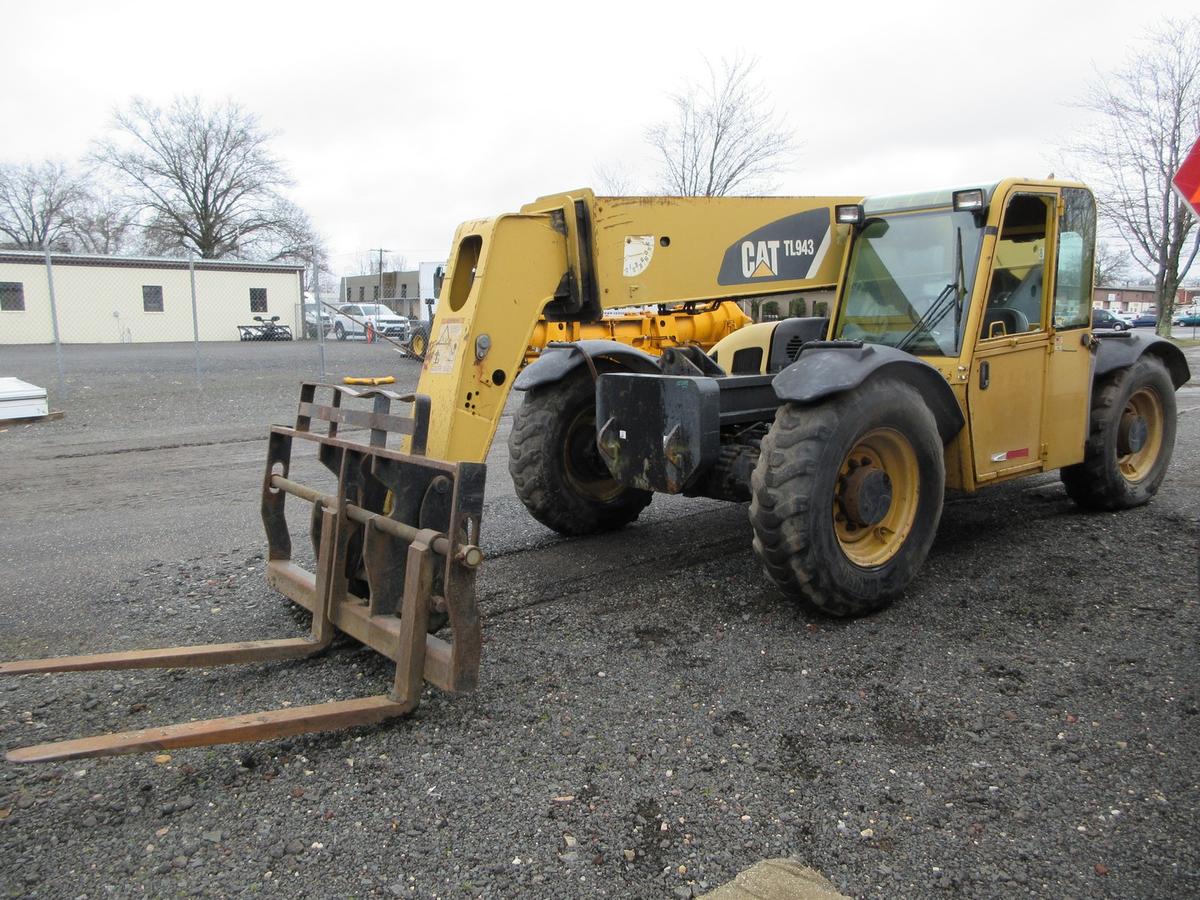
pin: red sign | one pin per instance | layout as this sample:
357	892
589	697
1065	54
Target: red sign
1187	179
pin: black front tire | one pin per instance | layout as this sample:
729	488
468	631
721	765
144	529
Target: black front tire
339	332
556	468
1110	477
797	483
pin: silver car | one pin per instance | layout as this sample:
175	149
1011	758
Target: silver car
352	320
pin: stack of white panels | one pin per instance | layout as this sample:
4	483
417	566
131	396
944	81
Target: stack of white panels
21	400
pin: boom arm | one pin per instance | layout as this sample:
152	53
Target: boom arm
568	257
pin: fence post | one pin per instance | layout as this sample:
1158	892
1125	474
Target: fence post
195	316
318	308
54	321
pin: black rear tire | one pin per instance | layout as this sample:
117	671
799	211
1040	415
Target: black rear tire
1110	476
418	341
556	468
801	532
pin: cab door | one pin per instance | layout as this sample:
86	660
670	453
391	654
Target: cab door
1069	363
1008	370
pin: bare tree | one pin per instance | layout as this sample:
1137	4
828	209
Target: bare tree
103	223
614	182
294	241
1111	265
1149	114
368	262
724	137
202	174
37	203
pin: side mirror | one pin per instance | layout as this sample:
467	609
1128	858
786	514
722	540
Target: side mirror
258	318
274	318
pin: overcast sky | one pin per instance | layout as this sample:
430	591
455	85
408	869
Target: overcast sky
399	121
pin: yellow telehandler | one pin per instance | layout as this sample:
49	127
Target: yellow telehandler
958	353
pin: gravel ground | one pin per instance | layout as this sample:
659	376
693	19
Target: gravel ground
652	716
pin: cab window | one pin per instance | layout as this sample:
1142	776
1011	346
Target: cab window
1075	260
1015	299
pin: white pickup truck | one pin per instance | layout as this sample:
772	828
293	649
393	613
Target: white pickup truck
352	318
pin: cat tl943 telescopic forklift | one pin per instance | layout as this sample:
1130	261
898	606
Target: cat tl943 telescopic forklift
958	353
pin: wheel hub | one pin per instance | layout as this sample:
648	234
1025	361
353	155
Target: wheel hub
867	496
584	466
1133	433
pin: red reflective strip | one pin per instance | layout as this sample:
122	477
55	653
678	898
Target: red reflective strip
1017	454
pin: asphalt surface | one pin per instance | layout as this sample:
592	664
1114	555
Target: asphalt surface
652	716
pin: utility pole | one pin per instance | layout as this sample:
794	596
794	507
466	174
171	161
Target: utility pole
381	251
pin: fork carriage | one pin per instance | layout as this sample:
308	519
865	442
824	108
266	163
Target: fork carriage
396	551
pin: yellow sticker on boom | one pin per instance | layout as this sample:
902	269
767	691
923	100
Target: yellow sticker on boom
442	352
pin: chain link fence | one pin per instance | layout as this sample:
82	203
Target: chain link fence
82	325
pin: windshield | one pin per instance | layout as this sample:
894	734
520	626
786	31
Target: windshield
908	280
376	310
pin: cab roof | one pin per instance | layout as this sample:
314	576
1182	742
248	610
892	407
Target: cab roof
944	197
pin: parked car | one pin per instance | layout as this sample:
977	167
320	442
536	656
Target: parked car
1102	318
352	319
1145	320
1192	319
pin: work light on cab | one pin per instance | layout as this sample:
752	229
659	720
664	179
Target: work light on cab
849	214
971	200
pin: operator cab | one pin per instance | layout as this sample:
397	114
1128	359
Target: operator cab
992	287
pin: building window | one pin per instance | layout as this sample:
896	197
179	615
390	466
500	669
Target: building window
404	290
375	292
12	296
152	298
362	293
348	290
258	300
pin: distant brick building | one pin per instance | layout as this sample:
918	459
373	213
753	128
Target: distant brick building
1138	298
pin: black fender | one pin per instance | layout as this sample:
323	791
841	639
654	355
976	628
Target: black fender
823	370
556	363
1124	348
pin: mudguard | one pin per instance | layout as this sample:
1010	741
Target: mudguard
558	362
824	369
1124	348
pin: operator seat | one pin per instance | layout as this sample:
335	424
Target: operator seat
1027	297
1014	321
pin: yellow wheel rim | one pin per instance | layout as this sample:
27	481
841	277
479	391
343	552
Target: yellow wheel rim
875	497
417	344
1139	434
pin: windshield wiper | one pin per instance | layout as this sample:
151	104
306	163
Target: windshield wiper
960	284
936	312
951	298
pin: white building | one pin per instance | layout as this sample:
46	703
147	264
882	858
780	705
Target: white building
110	299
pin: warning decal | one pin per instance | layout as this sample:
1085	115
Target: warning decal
442	352
639	249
